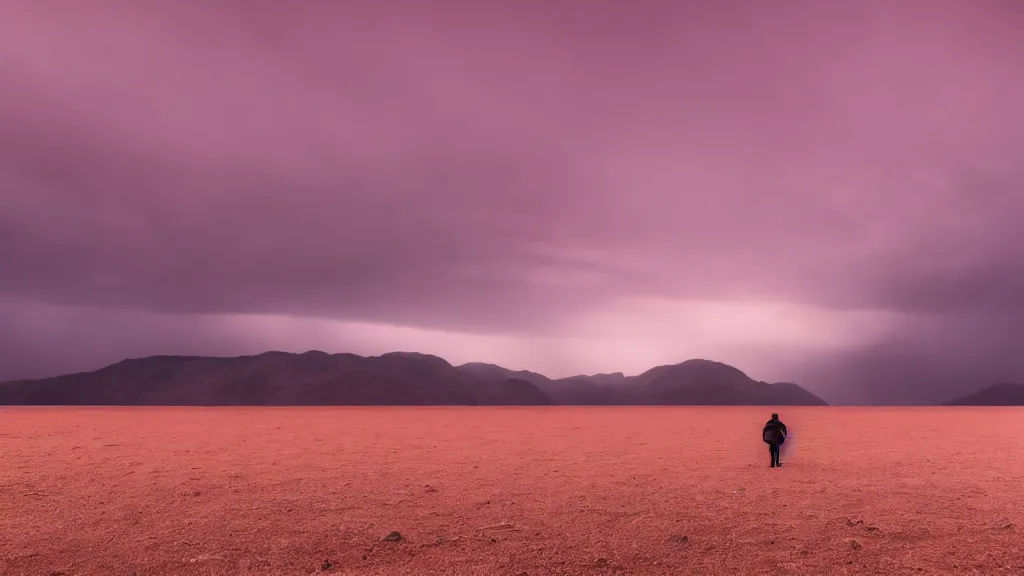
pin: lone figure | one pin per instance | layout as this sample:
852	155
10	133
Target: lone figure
774	434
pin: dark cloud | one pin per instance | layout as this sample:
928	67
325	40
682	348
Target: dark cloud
521	171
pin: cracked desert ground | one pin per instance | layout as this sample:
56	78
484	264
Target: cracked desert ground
560	490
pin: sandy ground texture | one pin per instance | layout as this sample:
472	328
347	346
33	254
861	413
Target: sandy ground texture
562	490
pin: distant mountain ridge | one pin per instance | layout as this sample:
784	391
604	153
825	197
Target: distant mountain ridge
693	382
999	394
317	378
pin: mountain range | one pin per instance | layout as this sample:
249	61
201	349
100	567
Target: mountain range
395	379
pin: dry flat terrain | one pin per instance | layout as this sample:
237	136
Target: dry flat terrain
561	490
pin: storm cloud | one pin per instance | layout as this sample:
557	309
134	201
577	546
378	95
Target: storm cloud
823	192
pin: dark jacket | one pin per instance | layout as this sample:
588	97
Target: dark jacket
775	425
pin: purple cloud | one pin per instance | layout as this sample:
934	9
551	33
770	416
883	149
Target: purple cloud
518	171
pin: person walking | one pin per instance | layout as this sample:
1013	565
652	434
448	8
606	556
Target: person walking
774	434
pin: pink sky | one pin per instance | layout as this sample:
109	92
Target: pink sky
823	192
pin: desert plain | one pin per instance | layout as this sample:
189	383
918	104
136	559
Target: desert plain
509	490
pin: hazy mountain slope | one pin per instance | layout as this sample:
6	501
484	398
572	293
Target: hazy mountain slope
495	372
514	391
703	382
1001	394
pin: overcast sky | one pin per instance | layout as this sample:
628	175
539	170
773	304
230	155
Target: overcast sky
824	192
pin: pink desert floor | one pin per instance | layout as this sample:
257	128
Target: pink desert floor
565	490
